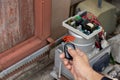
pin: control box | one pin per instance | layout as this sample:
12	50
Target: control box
83	24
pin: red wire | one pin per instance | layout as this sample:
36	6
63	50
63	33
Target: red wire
93	18
68	38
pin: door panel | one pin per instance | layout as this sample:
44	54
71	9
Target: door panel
24	28
17	22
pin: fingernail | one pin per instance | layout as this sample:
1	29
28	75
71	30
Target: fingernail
69	48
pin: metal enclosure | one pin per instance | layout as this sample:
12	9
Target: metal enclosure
64	71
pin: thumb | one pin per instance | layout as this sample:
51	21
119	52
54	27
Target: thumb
72	52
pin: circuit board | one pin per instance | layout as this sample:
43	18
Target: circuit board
84	24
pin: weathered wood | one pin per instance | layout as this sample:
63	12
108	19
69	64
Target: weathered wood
16	22
24	28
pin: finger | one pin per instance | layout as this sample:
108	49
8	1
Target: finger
72	52
80	52
62	56
82	55
66	62
69	67
71	62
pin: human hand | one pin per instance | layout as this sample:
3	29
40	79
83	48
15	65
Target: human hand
79	66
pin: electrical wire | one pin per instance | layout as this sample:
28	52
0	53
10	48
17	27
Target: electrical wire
92	18
68	38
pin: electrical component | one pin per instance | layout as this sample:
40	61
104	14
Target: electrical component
94	57
105	14
66	46
86	34
68	38
83	25
103	62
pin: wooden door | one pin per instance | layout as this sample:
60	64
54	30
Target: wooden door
24	28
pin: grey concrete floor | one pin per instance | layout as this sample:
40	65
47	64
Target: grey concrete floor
43	74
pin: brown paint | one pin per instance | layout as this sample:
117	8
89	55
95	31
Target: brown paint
42	31
17	25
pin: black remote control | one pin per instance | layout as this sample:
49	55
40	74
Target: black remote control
67	55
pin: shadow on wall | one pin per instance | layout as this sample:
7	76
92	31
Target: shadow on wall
60	11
